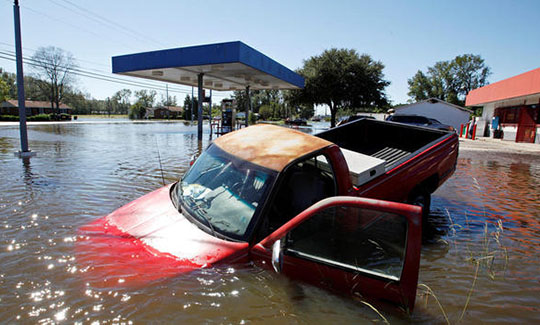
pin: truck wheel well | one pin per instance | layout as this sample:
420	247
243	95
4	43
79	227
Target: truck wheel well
421	194
430	184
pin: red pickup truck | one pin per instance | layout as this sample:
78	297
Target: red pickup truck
308	206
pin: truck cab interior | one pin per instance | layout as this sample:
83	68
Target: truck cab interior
302	185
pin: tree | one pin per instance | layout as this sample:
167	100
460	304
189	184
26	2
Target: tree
340	78
137	111
266	112
450	81
9	87
170	101
4	91
471	72
79	102
121	98
187	108
33	89
305	111
146	98
54	67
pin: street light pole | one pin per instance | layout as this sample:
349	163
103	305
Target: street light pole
20	84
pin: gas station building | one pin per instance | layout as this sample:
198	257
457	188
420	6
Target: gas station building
511	107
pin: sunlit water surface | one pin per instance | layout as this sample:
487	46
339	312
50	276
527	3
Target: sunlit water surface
480	255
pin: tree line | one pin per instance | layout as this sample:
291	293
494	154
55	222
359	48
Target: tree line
341	79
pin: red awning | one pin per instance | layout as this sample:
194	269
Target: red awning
525	84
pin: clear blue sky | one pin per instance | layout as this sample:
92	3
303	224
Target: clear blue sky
405	35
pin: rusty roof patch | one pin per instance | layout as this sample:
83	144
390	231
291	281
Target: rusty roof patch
270	146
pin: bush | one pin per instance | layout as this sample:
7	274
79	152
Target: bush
266	112
40	117
9	118
137	111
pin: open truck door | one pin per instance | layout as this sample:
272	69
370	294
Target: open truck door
364	247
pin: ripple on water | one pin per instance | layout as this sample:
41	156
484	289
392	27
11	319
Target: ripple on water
86	171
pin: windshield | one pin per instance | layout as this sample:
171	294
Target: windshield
224	192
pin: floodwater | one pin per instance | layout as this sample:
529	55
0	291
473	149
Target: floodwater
480	254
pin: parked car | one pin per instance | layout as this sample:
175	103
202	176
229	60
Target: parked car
296	122
420	121
341	209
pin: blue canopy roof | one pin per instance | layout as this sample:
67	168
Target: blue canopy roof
226	66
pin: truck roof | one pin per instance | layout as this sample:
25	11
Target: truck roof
270	146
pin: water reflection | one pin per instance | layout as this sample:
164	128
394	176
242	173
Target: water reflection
84	171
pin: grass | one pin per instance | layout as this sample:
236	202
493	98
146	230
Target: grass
485	257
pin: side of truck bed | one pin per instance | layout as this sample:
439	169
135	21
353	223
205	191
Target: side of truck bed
415	161
392	142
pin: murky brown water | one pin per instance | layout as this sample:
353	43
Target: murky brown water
482	239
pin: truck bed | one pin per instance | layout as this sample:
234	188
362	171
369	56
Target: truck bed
392	143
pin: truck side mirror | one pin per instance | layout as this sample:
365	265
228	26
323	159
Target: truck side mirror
277	256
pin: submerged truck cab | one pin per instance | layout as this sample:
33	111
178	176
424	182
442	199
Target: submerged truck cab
290	201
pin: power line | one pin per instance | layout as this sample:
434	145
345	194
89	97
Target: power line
126	30
96	73
100	76
79	70
72	25
86	74
10	46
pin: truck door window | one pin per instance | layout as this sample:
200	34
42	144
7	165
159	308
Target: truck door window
304	184
352	238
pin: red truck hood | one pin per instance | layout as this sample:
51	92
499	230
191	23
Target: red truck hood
146	240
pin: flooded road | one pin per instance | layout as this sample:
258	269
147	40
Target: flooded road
480	255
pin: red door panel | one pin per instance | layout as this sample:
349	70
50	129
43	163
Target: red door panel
526	131
352	245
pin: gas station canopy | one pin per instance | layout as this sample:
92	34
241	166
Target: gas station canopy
225	66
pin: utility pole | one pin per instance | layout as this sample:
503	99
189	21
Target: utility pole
248	106
24	153
167	95
192	104
199	109
210	113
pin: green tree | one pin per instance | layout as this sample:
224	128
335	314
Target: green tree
137	111
188	101
54	67
33	89
471	72
451	80
187	108
170	101
305	111
266	112
340	78
146	98
79	102
4	91
122	100
9	81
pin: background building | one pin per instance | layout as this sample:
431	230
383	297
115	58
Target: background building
511	105
163	112
11	107
440	110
